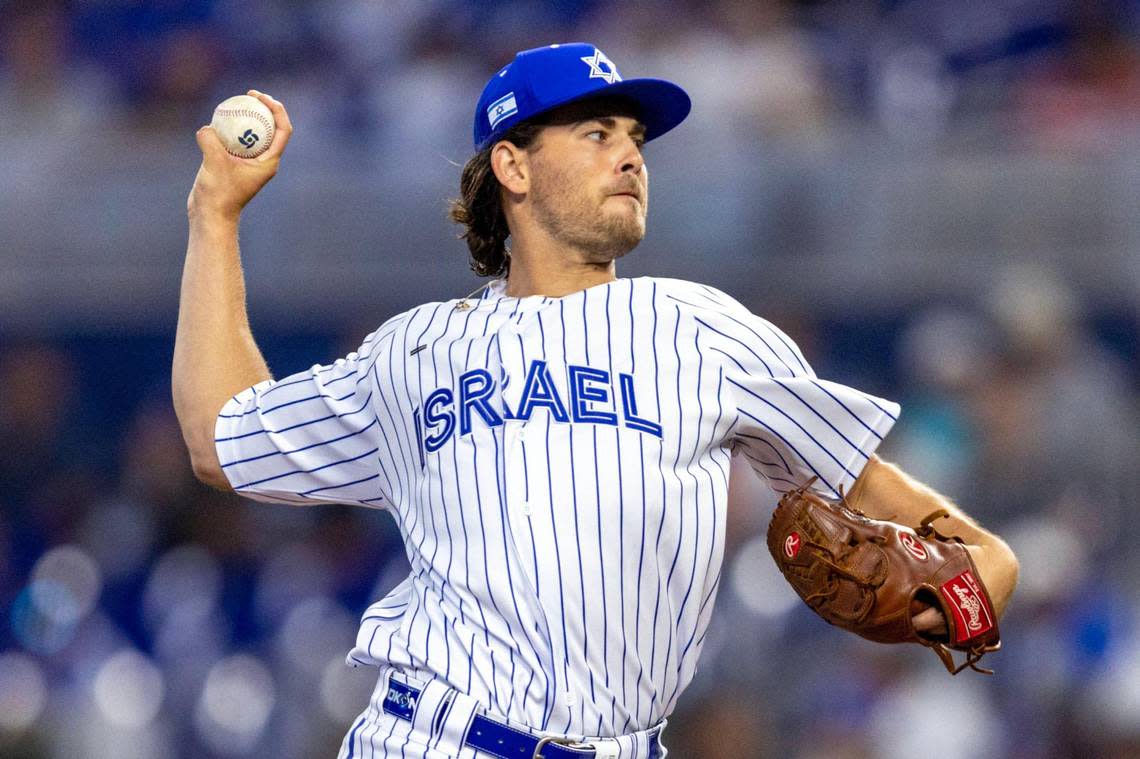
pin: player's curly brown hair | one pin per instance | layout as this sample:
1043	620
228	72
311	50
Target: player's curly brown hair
479	207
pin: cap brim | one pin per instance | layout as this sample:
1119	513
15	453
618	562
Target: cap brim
662	105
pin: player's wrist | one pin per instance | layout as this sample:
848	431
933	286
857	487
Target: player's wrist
999	570
204	209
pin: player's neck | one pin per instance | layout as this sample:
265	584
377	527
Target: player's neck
554	274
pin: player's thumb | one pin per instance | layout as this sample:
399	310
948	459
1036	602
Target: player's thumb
209	143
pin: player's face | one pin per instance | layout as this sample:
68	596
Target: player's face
590	185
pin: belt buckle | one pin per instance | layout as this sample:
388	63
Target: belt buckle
549	741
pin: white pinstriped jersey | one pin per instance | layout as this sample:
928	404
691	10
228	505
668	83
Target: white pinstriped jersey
558	468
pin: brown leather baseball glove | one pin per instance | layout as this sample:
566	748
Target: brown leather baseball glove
871	576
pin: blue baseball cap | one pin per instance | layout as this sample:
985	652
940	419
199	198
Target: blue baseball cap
543	78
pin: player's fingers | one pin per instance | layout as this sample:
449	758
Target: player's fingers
283	127
280	115
930	622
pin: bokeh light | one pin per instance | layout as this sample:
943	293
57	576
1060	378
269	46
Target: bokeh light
914	712
184	573
313	630
65	584
194	626
128	689
235	705
345	690
1113	703
1053	560
63	588
35	630
23	691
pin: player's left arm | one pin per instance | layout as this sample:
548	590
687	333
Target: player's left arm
797	430
883	491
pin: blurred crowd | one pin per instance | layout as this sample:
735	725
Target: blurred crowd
1057	70
146	615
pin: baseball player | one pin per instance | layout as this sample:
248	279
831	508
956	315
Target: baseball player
555	448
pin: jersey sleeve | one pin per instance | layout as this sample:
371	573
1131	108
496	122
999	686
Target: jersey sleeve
313	437
791	425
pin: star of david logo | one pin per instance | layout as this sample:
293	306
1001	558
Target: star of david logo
601	67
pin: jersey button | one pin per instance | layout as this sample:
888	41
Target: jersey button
525	509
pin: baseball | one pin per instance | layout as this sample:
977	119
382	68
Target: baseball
244	125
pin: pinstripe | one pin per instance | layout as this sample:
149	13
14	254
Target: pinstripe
581	601
712	505
645	511
846	408
819	416
879	406
677	473
266	431
352	737
728	303
475	515
314	470
739	343
480	514
657	682
788	444
621	514
462	519
446	571
429	506
548	702
509	555
540	619
802	428
557	557
266	455
689	469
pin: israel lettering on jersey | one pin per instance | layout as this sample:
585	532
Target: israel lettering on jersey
558	468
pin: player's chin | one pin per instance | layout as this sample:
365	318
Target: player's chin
623	241
626	232
630	218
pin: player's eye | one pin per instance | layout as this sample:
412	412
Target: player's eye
597	135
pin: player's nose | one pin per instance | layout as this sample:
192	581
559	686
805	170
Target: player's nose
630	159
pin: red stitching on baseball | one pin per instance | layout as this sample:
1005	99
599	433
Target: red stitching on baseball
269	127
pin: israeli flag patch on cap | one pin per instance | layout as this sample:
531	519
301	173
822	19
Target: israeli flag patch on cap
501	109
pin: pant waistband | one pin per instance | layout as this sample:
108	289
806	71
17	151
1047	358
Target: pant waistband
447	720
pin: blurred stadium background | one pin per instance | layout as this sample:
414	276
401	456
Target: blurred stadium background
938	200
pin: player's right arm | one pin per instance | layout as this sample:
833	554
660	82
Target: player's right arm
215	355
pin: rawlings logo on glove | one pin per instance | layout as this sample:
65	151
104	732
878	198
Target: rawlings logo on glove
871	576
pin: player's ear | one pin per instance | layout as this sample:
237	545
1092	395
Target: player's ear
509	162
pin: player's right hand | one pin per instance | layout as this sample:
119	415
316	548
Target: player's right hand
225	183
